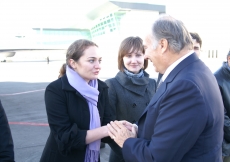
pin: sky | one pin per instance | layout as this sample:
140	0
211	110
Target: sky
208	18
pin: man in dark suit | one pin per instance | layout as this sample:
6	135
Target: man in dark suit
223	79
6	142
184	120
197	43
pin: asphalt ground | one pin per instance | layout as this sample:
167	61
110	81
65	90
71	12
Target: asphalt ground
22	86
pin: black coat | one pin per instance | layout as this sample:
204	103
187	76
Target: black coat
6	141
69	118
128	98
223	78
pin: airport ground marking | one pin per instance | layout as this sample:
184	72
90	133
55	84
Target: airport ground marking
13	94
29	123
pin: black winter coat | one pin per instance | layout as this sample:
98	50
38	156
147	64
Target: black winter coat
223	78
128	98
69	118
6	141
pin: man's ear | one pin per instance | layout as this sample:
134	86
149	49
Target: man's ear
163	45
228	60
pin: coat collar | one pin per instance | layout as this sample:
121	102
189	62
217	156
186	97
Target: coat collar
163	87
136	85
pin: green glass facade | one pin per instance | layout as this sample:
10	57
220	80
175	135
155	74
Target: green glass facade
106	24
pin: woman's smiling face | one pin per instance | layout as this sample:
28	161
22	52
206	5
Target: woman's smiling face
134	61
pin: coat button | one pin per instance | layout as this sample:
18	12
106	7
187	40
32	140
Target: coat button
134	105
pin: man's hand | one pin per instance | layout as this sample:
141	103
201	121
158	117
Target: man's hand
129	125
119	133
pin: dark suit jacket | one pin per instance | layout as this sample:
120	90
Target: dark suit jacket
6	142
184	120
69	118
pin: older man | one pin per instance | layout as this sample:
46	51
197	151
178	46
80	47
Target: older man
184	120
197	44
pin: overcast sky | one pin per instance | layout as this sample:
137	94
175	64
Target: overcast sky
209	18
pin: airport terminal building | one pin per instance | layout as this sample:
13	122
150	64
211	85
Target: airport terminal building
111	18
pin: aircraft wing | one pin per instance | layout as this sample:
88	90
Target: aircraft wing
4	53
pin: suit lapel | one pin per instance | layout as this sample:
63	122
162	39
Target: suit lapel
163	87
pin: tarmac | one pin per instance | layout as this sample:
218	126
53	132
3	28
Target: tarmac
22	86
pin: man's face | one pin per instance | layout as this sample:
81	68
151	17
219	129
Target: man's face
196	47
152	54
229	61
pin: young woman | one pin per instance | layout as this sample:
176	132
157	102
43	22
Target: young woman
77	108
131	89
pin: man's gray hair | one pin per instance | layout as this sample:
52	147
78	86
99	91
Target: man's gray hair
174	31
228	54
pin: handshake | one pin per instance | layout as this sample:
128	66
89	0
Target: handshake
119	131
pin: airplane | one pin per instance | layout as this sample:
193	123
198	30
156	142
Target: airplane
5	53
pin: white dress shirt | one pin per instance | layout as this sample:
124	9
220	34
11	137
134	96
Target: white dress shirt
171	67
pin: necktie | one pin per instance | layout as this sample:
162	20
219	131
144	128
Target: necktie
159	84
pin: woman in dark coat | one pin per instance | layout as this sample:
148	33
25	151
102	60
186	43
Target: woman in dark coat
131	89
77	108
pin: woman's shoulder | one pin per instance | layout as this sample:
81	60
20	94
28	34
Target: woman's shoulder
55	82
109	80
151	80
101	84
59	83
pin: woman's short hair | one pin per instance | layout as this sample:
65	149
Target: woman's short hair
130	45
77	48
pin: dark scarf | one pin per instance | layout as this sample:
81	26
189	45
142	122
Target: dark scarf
132	75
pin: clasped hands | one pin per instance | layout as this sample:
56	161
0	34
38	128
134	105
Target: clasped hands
119	131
